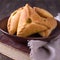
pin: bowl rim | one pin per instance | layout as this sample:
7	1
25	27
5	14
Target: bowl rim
30	38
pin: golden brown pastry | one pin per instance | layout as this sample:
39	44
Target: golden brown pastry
42	12
50	22
29	22
47	32
13	21
26	21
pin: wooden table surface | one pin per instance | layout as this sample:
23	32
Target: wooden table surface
8	6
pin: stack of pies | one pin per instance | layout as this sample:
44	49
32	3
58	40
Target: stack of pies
26	21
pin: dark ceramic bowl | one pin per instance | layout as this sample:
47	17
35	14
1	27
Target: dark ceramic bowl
53	6
3	29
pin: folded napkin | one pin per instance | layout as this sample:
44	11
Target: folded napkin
58	17
39	53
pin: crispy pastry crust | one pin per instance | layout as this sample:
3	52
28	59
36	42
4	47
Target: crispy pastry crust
13	21
43	12
24	28
27	21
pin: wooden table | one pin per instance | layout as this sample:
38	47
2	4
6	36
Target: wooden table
8	6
